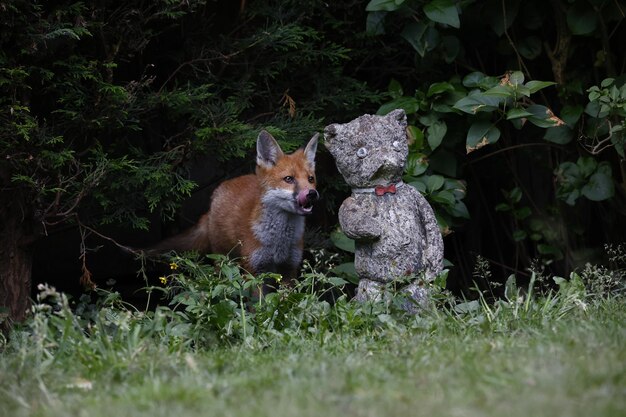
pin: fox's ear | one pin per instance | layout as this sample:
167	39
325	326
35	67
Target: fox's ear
268	151
311	149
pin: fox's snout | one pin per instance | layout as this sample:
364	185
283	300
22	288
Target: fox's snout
312	196
306	198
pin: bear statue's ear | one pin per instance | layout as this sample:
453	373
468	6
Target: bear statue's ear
330	132
399	115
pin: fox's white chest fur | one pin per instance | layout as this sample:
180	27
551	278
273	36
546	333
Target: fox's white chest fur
279	232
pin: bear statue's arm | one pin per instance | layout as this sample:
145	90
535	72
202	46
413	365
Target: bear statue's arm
358	220
432	257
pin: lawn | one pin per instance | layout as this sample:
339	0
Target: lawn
562	355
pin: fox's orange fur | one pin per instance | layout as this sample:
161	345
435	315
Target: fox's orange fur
259	217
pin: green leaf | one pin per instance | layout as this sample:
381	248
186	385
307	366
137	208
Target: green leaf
546	249
600	187
435	133
416	164
516	78
419	185
441	279
434	182
503	207
342	241
383	5
439	88
522	213
480	80
607	82
510	288
347	271
570	114
375	23
499	21
336	281
443	162
535	86
594	109
395	89
530	47
416	138
443	11
577	283
414	34
431	38
515	195
582	18
481	133
408	104
473	79
561	135
451	48
503	91
573	286
594	95
429	118
459	210
587	165
444	197
519	235
517	113
476	102
541	116
618	140
467	307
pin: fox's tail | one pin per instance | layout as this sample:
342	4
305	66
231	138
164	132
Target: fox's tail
196	239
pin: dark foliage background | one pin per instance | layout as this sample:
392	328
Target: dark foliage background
119	118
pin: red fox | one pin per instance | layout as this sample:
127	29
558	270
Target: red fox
259	217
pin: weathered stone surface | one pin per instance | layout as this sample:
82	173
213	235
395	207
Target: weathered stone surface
395	231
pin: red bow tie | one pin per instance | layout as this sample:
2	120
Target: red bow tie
381	190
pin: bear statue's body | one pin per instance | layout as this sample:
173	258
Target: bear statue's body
395	231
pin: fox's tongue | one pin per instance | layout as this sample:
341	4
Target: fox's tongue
303	199
306	198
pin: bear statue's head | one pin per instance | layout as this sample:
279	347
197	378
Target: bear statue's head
370	150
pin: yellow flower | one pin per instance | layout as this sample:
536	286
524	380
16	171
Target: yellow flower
163	280
173	266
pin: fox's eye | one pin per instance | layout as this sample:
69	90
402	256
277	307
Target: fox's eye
361	153
288	179
311	179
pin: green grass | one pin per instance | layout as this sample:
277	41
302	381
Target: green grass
573	366
560	354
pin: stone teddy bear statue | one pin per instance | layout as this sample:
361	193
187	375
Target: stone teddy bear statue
394	228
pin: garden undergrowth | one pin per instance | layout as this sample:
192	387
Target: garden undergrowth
311	349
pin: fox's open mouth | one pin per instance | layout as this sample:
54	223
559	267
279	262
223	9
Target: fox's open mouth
305	200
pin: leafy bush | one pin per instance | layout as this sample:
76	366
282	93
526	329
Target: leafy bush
484	123
107	107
